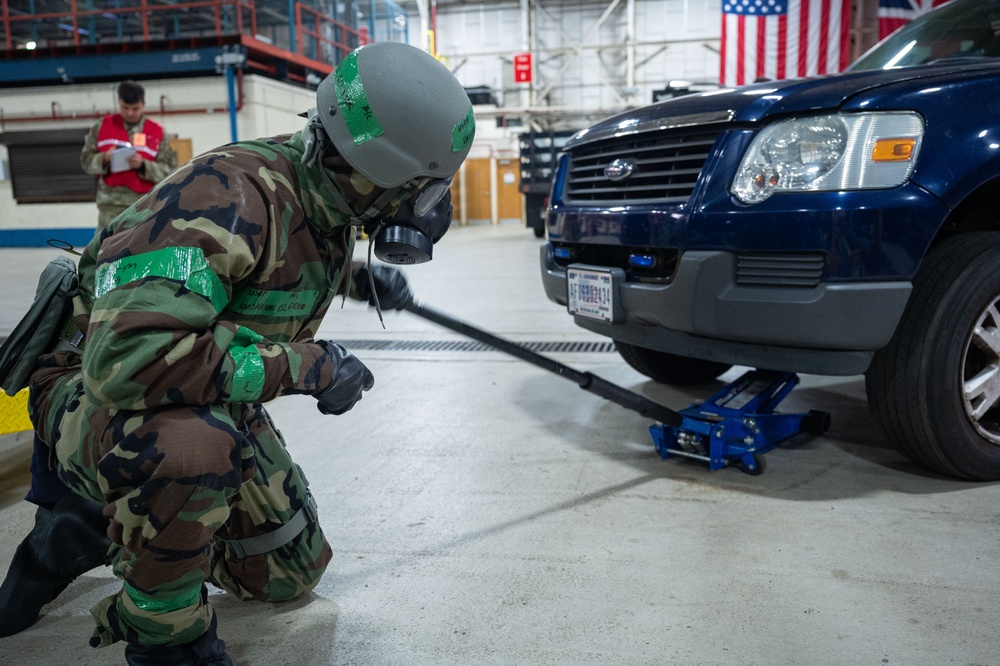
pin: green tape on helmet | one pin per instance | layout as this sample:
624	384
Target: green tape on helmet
463	132
416	109
353	102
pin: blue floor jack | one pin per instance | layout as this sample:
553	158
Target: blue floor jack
736	426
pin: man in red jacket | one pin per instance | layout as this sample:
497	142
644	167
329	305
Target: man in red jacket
128	153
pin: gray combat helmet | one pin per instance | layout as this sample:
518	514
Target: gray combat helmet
395	113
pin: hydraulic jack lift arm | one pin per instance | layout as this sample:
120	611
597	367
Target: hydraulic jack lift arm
585	380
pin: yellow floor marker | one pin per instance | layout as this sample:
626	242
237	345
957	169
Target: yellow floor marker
14	413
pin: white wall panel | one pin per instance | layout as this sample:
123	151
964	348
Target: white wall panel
675	39
478	39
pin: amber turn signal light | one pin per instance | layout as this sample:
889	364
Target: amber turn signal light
893	150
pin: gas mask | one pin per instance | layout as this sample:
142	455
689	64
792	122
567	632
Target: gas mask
408	236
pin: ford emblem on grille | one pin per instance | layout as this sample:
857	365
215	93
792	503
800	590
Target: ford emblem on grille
619	169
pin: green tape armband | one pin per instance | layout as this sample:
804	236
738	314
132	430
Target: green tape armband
187	265
248	377
463	132
353	102
150	605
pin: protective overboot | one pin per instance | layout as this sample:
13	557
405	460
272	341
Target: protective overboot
208	650
65	542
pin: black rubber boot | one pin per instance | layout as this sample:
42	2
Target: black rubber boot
209	650
65	542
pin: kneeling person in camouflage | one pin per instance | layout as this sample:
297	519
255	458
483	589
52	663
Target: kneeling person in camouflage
154	452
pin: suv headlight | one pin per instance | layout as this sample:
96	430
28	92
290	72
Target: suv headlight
833	152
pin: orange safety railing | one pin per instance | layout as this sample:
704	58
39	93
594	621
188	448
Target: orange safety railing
324	34
142	19
315	35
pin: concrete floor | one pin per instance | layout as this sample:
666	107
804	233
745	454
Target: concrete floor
482	510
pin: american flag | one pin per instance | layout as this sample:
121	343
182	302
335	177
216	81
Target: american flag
783	39
892	14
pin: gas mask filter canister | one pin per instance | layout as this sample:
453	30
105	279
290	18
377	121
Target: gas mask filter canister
408	237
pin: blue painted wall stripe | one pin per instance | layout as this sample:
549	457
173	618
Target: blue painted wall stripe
77	237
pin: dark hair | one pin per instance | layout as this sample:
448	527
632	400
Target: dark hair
131	92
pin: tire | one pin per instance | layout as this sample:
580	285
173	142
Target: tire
930	386
670	368
534	213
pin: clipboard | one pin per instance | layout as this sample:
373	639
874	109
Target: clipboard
119	159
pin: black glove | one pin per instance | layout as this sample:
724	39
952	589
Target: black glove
350	379
390	285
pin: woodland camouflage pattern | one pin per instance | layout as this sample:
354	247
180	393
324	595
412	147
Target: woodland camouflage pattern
111	201
199	303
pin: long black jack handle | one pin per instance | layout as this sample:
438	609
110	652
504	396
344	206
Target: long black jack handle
587	381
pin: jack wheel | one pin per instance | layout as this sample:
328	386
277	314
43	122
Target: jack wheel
759	465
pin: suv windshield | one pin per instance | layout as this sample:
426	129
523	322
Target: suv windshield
959	29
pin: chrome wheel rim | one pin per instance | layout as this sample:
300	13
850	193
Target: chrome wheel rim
981	374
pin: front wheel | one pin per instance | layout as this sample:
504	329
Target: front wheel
935	387
534	213
669	368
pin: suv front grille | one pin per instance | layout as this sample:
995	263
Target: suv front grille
664	167
780	270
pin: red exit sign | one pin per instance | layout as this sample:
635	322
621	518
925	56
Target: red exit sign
522	68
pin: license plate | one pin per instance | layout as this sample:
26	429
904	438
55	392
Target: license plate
591	293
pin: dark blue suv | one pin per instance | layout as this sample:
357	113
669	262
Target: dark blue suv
833	225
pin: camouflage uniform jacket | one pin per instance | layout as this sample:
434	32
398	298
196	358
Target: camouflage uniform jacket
209	290
92	161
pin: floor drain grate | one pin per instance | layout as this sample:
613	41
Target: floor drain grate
469	346
473	346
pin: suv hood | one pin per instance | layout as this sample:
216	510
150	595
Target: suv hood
750	104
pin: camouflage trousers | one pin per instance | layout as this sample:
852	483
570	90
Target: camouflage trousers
112	202
106	213
184	487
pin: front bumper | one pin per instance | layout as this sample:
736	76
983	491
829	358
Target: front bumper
831	329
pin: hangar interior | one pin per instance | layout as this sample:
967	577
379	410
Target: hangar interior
234	69
480	509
